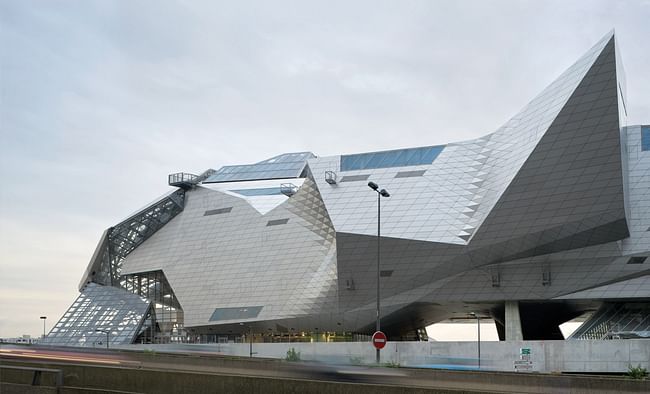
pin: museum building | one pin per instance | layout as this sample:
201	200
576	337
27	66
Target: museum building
545	220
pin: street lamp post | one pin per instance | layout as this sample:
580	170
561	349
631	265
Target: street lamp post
250	340
107	332
478	329
43	318
380	193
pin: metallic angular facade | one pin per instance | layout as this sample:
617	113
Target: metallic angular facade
549	215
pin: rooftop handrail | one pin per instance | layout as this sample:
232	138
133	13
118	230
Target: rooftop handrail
182	177
288	189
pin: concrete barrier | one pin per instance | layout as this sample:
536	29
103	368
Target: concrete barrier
576	356
107	380
34	375
15	388
119	379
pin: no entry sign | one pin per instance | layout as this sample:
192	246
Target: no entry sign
379	340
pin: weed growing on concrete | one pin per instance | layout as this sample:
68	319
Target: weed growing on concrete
637	372
292	355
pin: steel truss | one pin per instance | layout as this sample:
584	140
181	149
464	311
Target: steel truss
120	240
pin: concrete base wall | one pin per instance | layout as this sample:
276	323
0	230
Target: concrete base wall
120	380
546	356
114	380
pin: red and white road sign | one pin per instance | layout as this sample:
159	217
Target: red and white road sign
379	340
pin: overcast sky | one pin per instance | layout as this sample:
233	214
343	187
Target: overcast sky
100	100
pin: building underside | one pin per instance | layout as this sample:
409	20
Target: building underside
540	222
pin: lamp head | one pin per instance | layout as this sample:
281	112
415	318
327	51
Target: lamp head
384	193
373	185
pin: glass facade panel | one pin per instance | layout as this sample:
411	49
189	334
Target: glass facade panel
391	158
645	138
288	165
98	310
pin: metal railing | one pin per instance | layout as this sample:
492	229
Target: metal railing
288	189
330	177
182	178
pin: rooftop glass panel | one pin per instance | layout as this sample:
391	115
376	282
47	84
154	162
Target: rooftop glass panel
645	138
391	158
288	165
264	191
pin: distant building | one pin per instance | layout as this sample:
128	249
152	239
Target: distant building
24	339
533	225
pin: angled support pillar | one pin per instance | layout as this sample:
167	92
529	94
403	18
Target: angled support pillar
513	321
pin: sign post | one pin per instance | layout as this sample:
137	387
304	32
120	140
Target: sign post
524	363
379	340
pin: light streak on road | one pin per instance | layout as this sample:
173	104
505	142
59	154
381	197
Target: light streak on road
63	356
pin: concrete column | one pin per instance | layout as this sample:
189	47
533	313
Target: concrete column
513	322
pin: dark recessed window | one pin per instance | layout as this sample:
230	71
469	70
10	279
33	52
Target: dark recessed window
277	222
244	312
637	260
355	178
409	174
217	211
385	273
